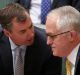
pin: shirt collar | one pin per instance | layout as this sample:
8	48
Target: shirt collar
72	56
13	46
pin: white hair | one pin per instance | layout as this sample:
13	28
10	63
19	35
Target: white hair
68	17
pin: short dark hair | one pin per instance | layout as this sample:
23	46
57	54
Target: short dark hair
11	11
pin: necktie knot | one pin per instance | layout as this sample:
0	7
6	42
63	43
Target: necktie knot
18	51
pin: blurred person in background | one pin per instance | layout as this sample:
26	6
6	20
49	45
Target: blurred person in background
39	9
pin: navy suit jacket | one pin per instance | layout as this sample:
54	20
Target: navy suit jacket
74	3
38	58
55	4
77	65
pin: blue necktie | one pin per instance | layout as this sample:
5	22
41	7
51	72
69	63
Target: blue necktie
45	8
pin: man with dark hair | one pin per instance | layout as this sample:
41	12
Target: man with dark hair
23	49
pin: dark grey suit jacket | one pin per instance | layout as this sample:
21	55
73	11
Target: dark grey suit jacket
38	58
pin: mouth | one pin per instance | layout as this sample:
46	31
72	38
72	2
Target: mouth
30	38
53	48
30	42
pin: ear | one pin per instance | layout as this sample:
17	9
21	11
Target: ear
73	35
6	32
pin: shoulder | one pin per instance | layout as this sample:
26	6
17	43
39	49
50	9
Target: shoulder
4	40
40	41
40	33
40	37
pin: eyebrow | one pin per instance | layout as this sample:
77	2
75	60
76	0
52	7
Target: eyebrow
24	29
50	34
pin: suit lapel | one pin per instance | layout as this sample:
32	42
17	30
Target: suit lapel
63	66
77	65
6	55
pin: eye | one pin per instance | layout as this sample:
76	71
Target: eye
53	37
22	31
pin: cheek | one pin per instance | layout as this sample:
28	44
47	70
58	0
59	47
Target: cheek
15	38
61	40
18	38
61	44
60	47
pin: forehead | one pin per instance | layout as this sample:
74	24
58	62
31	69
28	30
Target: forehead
51	26
20	25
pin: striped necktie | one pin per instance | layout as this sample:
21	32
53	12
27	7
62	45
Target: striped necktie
45	8
68	67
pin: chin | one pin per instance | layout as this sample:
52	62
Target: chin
30	43
56	54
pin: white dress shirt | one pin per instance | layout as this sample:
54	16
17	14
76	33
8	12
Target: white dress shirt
72	58
14	51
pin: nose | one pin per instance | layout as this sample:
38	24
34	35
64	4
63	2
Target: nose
32	34
49	41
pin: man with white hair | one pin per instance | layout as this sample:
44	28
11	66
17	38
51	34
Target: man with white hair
63	35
